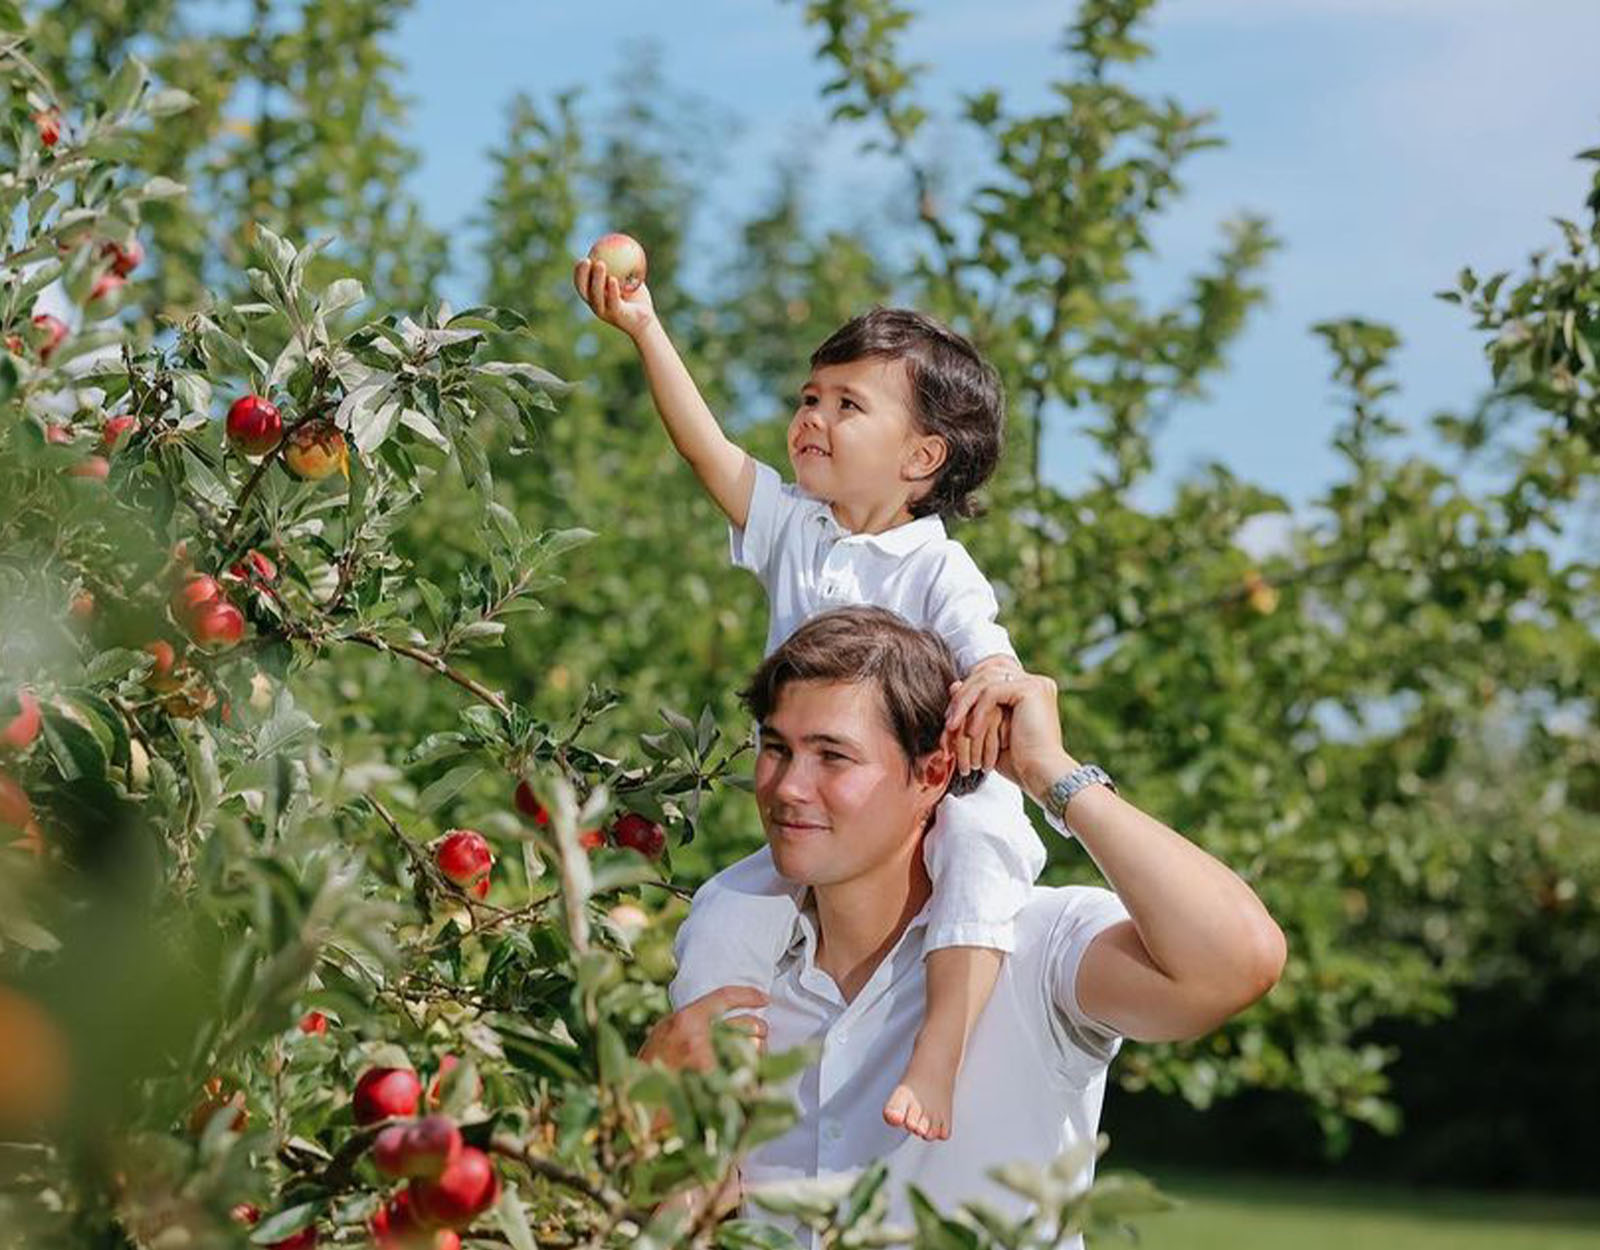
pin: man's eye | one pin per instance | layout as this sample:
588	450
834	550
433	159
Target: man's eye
834	757
773	748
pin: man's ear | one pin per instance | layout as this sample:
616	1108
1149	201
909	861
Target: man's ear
937	767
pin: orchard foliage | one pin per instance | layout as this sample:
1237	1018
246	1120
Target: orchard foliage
261	908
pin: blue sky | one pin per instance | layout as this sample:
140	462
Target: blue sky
1388	142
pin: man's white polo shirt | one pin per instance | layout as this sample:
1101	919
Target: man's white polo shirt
809	563
1031	1085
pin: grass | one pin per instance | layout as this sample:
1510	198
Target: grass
1259	1213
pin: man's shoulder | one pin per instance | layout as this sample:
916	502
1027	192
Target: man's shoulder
1049	907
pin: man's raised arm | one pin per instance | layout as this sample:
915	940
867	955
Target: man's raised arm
1200	947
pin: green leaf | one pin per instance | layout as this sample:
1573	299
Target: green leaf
514	1220
168	102
125	86
447	787
277	1227
76	749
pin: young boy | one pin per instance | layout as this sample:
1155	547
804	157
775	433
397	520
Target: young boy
899	423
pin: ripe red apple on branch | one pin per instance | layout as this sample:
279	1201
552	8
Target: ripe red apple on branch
639	833
462	1192
19	732
623	257
125	258
114	433
423	1150
447	1065
255	426
48	123
54	331
463	856
384	1093
106	287
396	1227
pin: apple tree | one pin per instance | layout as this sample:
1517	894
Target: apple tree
296	950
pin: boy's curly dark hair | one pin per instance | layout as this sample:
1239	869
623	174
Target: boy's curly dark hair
956	394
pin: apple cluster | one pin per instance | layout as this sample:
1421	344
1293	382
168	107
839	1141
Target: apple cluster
448	1183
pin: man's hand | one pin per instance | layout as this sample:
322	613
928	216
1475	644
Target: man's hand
632	312
683	1039
1030	751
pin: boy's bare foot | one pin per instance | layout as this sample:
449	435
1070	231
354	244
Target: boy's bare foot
921	1103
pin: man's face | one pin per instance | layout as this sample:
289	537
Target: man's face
853	437
837	799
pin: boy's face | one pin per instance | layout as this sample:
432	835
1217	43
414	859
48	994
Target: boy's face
853	440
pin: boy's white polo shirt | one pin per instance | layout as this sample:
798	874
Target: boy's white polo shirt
1031	1084
809	563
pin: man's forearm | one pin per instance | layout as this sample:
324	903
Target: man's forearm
715	458
1200	924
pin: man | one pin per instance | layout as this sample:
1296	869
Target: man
853	759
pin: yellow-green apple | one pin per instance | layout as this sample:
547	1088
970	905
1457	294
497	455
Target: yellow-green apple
623	258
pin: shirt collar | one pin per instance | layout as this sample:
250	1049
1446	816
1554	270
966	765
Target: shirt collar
902	540
806	933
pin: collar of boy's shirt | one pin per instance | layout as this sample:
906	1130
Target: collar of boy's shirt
902	540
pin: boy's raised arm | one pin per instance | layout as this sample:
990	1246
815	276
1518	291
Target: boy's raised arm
724	468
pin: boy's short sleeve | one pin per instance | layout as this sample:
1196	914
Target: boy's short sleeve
962	611
753	546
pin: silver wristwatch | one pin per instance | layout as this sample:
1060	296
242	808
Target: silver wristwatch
1060	793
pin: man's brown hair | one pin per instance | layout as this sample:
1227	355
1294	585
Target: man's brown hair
911	669
956	394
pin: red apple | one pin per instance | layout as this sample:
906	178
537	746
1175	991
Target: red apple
528	804
114	433
396	1227
447	1065
160	677
82	606
383	1093
389	1151
317	450
124	260
465	1189
592	839
314	1022
255	426
639	833
57	434
254	565
48	122
55	332
15	810
106	286
246	1213
432	1145
463	856
95	467
623	258
197	590
19	732
217	625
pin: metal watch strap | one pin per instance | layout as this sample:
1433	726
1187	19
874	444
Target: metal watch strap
1061	792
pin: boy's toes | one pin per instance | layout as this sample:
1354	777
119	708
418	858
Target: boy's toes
899	1107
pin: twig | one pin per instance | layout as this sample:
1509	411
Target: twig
429	660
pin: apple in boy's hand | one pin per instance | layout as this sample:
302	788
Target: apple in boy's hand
623	258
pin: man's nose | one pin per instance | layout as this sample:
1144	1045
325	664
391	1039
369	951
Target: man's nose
793	783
